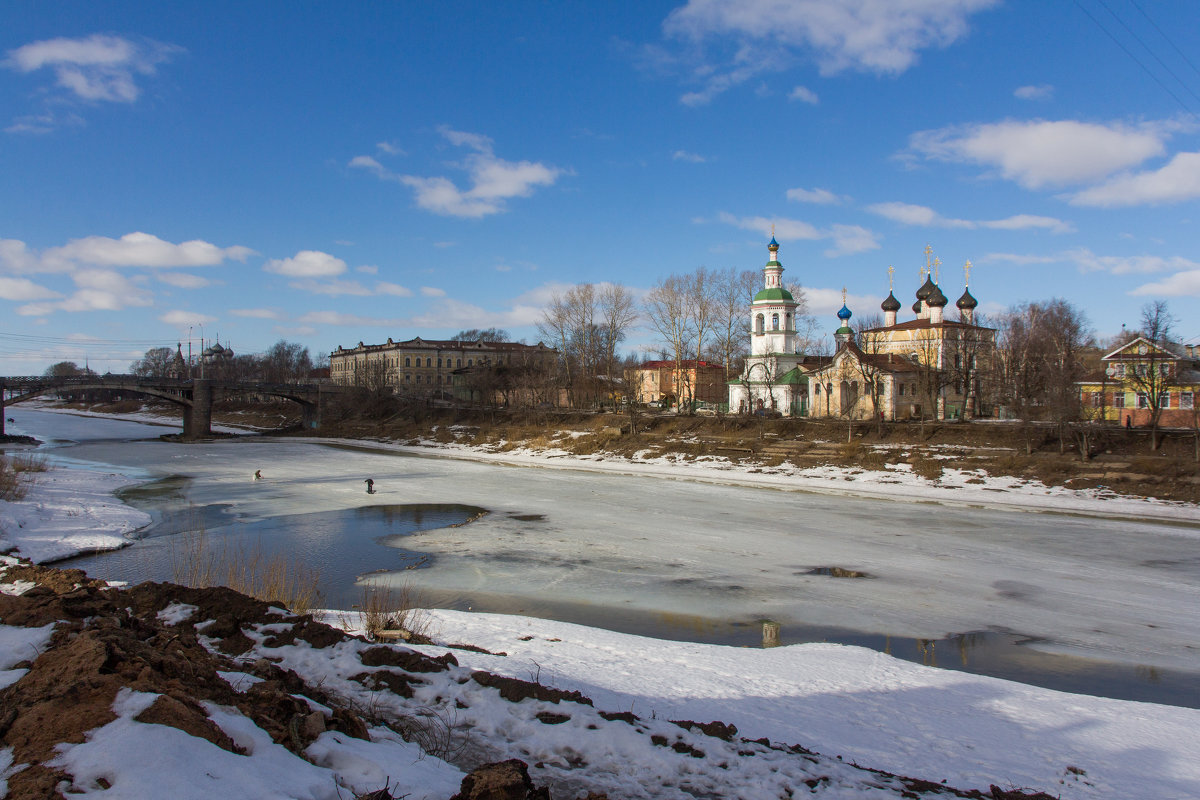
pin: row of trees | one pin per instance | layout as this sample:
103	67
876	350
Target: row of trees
695	315
283	362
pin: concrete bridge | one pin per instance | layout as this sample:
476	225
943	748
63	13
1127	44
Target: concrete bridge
194	396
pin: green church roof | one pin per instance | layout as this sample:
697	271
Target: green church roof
774	294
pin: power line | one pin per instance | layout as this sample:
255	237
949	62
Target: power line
1149	49
1127	52
1163	34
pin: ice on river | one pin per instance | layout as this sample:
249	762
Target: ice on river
720	545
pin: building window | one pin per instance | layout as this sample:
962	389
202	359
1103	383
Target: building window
407	378
1164	369
470	362
1096	399
774	322
758	323
458	362
1118	399
1164	399
428	362
1142	400
1185	400
407	361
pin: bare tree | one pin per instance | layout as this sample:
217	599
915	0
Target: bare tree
154	364
1067	334
481	335
286	362
869	363
729	317
1023	364
618	315
668	314
1154	372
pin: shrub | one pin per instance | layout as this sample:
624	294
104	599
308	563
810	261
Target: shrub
16	474
928	468
273	579
385	608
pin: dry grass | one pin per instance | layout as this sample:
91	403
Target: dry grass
928	468
387	608
275	579
16	474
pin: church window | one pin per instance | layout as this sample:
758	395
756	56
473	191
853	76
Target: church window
774	322
758	323
787	322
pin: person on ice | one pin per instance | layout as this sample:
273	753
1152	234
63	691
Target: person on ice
370	486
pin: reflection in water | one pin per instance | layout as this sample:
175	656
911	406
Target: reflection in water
341	545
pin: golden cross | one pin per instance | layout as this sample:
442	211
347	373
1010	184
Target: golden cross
928	253
772	230
967	272
891	278
843	295
937	262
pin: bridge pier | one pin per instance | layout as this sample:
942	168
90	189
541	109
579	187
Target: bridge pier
311	418
197	418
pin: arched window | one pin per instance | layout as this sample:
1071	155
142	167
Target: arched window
439	363
758	323
428	362
787	322
470	362
774	322
407	361
458	362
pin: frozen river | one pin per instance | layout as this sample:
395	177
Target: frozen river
709	561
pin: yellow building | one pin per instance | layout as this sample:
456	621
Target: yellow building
1141	379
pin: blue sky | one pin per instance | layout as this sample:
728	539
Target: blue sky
331	174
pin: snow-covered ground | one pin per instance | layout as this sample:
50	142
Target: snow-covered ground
945	560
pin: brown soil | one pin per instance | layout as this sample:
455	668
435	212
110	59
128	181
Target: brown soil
107	639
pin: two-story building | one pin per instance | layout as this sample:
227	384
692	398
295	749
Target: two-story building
1141	377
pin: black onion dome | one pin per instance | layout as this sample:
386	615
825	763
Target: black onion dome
917	307
967	302
936	299
891	303
926	288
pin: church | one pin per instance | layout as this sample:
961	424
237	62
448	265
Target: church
929	367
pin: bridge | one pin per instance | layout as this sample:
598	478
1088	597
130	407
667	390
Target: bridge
194	396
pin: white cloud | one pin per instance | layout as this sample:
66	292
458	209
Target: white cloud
847	239
431	291
683	155
96	290
851	239
331	288
255	313
391	148
98	67
822	197
23	289
910	214
1176	182
882	36
804	95
367	269
307	264
347	320
1181	284
185	319
137	250
1087	261
1043	92
183	280
393	289
1040	153
493	180
16	257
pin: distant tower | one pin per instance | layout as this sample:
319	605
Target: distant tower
844	335
967	304
773	311
891	305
